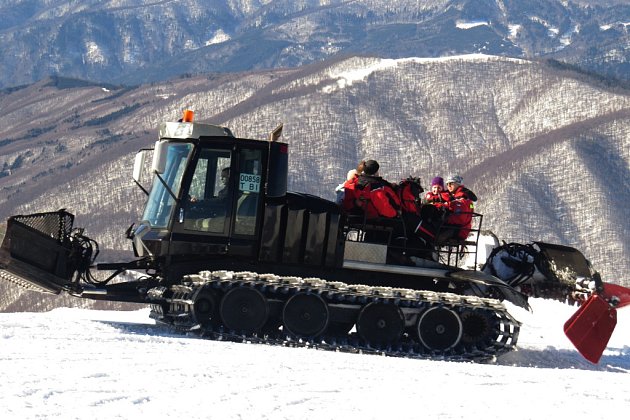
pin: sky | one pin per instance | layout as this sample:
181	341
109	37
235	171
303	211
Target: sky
86	364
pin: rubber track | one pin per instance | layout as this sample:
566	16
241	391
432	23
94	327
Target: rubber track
174	306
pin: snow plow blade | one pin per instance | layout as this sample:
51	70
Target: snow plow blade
37	253
590	328
619	295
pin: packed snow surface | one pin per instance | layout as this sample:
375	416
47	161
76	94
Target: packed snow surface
82	364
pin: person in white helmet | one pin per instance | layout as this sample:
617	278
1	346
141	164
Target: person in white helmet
457	190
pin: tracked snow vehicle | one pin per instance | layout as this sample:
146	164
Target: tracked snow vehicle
229	253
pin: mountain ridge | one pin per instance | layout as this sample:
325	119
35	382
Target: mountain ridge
133	42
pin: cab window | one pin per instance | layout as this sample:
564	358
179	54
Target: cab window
161	201
207	205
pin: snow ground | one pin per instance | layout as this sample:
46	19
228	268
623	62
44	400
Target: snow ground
82	364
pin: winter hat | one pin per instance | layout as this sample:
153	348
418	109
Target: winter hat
351	174
454	178
438	181
371	167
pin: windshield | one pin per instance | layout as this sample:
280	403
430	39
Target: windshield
161	203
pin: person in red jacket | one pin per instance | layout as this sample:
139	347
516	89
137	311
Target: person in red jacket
457	190
348	197
461	207
434	210
340	190
374	195
437	196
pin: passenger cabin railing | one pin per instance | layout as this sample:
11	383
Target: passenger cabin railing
398	241
454	251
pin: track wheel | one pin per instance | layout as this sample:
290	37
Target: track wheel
439	329
305	315
244	310
380	324
477	327
204	306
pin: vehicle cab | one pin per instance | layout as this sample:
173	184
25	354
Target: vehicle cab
207	193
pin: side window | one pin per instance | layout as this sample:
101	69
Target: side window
249	185
198	185
207	206
222	178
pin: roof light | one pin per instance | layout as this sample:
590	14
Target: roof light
188	116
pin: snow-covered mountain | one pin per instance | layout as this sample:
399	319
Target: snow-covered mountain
78	364
545	148
137	41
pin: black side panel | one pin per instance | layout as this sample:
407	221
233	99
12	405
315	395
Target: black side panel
295	235
316	238
334	245
301	229
272	237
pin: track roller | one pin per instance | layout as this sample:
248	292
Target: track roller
380	324
205	306
244	310
477	328
439	329
305	315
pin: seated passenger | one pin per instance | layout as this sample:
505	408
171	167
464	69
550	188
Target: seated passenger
340	190
347	197
437	196
461	207
410	193
374	195
457	190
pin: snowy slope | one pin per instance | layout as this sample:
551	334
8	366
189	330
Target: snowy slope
80	364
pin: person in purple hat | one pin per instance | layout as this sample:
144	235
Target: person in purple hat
437	196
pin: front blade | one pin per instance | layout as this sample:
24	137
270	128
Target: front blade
36	251
622	294
590	328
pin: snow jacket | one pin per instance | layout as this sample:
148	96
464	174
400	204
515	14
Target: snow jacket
376	197
349	202
410	192
440	199
463	192
460	215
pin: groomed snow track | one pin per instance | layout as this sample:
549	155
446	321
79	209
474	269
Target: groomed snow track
314	313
